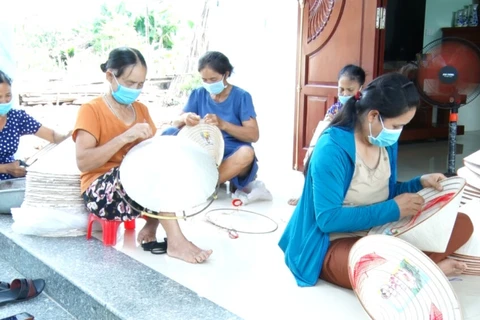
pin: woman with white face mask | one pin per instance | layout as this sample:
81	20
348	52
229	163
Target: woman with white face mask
350	81
106	129
351	186
231	109
15	123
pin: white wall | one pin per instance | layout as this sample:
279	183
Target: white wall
439	14
260	39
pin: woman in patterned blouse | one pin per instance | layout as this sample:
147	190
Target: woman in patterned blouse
15	123
350	81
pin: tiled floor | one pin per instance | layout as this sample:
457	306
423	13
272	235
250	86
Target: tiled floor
248	276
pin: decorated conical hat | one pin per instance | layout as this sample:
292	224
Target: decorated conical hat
430	230
168	174
208	137
394	280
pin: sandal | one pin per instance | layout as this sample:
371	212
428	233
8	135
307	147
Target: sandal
22	290
155	247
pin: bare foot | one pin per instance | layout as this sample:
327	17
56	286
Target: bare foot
293	201
452	267
148	232
183	249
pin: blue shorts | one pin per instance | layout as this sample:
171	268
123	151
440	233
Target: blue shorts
230	149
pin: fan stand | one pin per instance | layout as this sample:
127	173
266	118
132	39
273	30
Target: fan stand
452	141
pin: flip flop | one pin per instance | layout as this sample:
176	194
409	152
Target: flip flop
155	247
22	290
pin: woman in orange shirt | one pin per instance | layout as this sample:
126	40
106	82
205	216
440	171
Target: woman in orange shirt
106	129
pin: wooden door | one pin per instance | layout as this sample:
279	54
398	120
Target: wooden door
332	34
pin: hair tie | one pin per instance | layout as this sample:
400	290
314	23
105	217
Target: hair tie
358	95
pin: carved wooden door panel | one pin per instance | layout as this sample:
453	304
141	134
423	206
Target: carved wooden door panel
332	34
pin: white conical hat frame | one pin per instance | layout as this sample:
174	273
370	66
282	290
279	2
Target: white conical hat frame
394	280
168	174
208	137
60	160
431	230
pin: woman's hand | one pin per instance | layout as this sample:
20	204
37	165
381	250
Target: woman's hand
409	204
138	131
432	181
16	170
214	120
191	119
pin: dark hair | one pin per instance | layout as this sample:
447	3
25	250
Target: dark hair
5	79
354	73
409	70
391	94
121	58
216	61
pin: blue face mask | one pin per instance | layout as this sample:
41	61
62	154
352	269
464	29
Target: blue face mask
344	99
5	107
125	95
386	137
215	88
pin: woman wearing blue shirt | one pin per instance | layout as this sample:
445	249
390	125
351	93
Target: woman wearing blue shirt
231	109
15	123
351	186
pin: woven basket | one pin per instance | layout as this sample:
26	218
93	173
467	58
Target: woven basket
208	137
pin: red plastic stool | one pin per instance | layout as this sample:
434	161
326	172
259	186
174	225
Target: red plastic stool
109	228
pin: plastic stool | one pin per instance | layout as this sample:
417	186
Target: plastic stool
109	228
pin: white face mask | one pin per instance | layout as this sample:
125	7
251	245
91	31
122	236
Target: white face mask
216	87
386	137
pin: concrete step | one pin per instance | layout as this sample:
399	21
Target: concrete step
92	281
42	307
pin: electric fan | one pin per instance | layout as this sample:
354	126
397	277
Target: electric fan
448	77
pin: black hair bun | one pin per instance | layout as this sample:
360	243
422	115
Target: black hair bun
103	67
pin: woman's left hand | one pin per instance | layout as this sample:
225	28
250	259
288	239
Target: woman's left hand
432	181
214	120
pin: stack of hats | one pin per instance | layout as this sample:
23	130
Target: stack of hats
52	205
471	173
469	253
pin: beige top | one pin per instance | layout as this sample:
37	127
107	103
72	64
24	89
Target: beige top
368	186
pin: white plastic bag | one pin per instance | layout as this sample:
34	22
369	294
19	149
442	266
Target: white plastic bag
50	222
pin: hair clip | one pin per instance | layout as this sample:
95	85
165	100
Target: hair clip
358	95
407	84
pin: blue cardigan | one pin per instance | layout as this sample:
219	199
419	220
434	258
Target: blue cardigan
320	210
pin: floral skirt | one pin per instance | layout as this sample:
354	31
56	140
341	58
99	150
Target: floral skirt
107	199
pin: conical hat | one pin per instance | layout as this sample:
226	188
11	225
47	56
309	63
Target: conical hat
430	230
168	174
60	160
473	158
472	178
394	280
472	247
208	137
